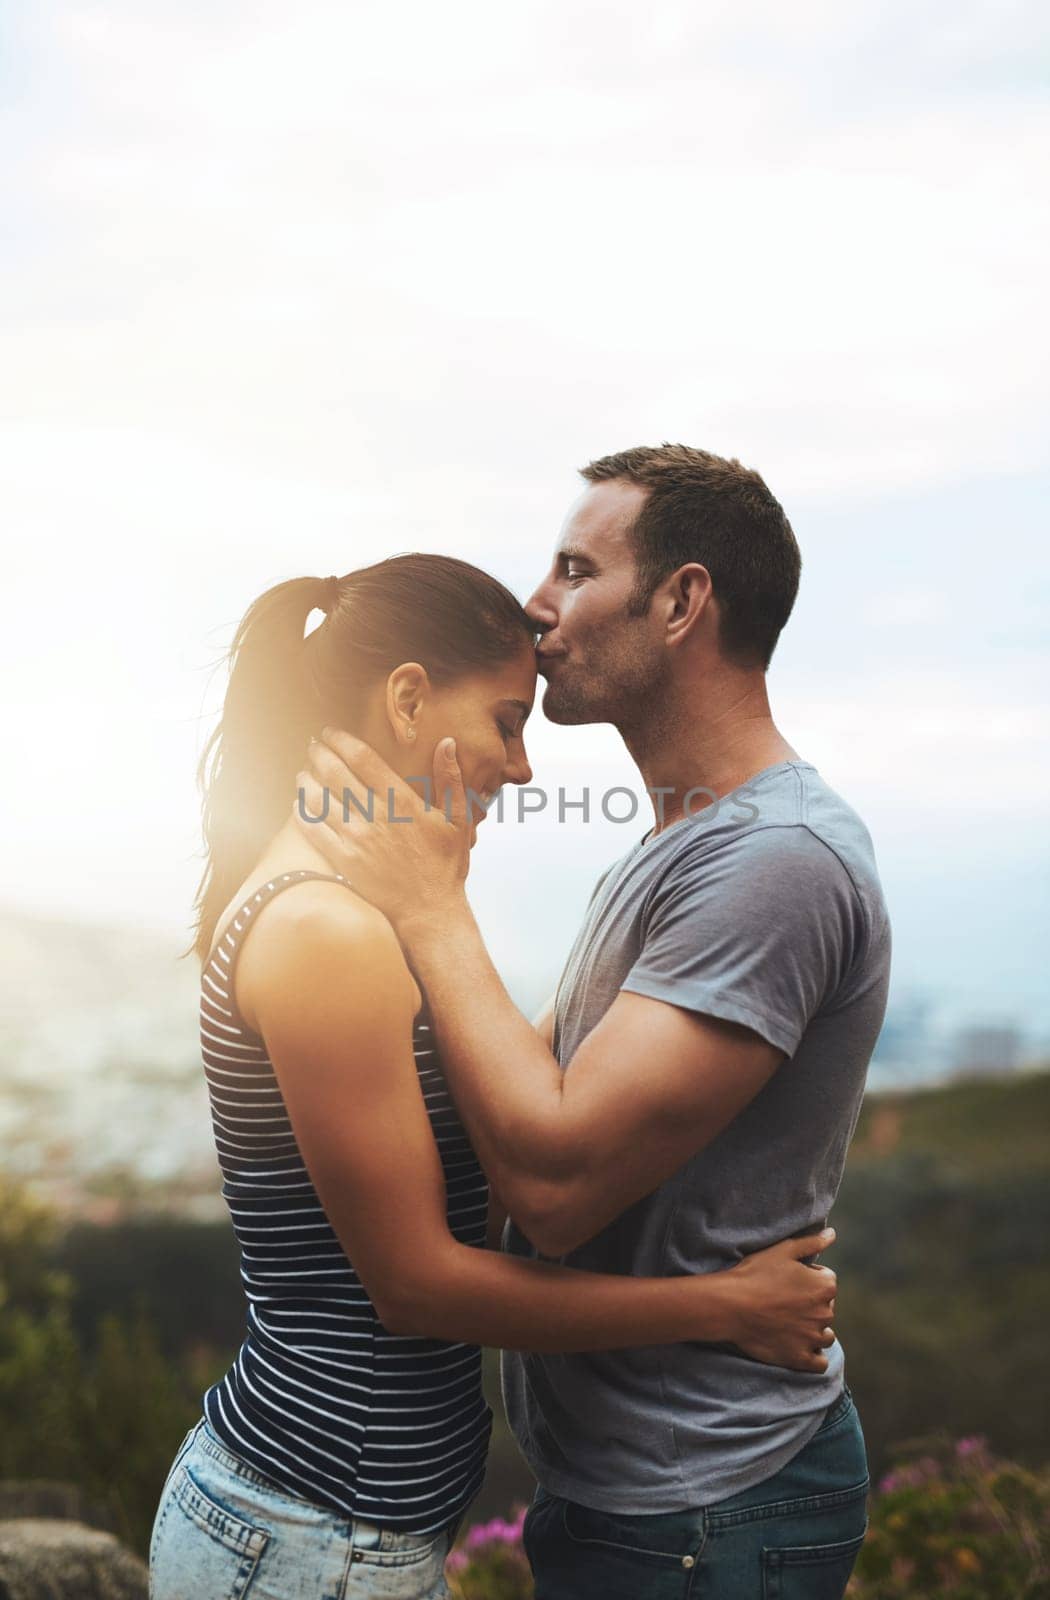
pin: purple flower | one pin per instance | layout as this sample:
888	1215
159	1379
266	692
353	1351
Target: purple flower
486	1536
498	1531
913	1475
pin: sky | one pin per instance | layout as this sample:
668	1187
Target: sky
285	290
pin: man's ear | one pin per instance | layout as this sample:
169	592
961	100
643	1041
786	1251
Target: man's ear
689	596
406	692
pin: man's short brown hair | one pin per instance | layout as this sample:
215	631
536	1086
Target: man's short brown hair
703	508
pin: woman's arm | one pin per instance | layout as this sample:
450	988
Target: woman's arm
343	1057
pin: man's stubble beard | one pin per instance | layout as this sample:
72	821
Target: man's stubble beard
560	705
625	699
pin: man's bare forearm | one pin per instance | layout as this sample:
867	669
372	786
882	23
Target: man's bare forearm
506	1083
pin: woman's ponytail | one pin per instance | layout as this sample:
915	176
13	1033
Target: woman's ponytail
247	770
444	613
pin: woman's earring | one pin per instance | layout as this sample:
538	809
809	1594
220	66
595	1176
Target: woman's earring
410	733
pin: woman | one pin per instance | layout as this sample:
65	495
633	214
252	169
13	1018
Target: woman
339	1453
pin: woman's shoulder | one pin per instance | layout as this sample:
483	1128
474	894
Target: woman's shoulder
311	939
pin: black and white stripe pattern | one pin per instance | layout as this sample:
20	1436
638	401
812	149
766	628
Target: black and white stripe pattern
321	1399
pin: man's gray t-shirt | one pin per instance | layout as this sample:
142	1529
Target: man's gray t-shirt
766	911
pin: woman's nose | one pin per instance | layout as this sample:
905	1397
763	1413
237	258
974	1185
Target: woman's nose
519	771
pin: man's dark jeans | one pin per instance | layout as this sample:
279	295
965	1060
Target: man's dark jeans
793	1537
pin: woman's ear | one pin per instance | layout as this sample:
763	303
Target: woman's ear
406	691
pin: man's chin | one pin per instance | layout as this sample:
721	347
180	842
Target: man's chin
558	707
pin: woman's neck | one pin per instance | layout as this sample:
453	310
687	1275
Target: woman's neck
288	851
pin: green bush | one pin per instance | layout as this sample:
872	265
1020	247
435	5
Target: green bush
104	1414
955	1522
107	1421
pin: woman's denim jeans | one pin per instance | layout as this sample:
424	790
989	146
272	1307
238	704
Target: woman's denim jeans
793	1537
223	1532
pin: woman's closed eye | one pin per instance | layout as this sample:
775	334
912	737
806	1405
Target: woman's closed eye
511	730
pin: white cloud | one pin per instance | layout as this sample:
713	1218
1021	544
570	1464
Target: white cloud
287	291
327	232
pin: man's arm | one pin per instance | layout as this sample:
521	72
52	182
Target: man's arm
734	964
543	1023
650	1086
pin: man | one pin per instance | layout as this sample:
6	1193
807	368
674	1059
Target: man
692	1093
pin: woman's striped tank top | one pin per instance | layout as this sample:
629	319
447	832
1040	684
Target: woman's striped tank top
321	1399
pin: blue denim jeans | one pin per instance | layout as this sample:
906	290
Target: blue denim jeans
224	1532
793	1537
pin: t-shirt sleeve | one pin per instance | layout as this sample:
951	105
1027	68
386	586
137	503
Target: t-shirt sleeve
762	931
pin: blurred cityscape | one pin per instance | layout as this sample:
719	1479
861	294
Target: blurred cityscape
103	1109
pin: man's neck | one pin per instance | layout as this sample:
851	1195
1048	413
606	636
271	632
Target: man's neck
714	744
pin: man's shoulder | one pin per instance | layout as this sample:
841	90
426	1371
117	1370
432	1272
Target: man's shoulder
794	813
786	826
789	829
833	820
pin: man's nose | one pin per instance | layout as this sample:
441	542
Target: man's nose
540	609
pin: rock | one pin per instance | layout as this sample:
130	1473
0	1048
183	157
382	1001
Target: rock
42	1559
46	1497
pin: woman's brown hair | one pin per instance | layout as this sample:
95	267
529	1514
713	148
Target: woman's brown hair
449	616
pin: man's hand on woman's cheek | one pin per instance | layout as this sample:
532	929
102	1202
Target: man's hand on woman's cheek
404	853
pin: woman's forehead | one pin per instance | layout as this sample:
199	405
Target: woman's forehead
516	680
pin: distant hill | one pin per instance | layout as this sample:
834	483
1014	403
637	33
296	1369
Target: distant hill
99	1064
984	1127
44	960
